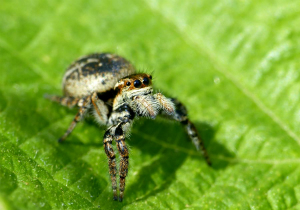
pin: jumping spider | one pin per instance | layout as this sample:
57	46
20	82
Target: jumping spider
107	85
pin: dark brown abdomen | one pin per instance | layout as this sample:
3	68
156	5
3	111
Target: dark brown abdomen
95	73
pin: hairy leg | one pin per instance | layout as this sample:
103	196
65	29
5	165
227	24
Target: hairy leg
83	107
123	170
165	103
117	132
180	114
63	100
100	109
111	161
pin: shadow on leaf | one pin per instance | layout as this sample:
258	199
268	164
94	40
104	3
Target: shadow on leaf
166	147
214	148
169	146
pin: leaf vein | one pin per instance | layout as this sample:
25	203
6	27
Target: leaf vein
201	48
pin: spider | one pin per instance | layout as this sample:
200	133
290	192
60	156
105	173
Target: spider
109	86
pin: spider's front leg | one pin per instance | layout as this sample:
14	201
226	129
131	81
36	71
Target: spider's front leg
118	133
124	116
123	170
111	160
181	116
177	111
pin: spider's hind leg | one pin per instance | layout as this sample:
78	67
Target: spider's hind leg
180	115
63	100
84	105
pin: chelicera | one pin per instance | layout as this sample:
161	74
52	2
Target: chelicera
109	86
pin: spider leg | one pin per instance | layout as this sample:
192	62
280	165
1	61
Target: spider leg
180	114
123	150
63	100
83	107
100	109
121	119
119	135
111	161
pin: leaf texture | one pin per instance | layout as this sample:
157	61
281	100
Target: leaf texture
234	64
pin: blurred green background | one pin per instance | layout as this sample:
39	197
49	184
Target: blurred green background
234	63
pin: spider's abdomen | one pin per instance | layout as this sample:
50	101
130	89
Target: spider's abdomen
95	73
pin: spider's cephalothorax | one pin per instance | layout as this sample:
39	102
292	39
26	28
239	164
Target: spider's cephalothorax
107	85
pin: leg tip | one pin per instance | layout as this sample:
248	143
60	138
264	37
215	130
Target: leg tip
60	140
115	198
121	196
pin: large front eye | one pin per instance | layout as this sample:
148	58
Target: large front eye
137	83
146	81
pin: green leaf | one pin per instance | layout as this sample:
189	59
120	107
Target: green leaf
234	64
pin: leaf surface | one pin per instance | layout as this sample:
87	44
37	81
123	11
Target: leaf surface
234	64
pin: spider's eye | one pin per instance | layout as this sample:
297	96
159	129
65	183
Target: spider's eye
137	83
150	77
128	83
146	81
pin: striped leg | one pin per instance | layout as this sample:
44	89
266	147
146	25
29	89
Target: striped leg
117	132
63	100
83	107
111	161
123	170
181	116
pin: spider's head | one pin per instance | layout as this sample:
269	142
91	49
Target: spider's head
136	91
135	84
